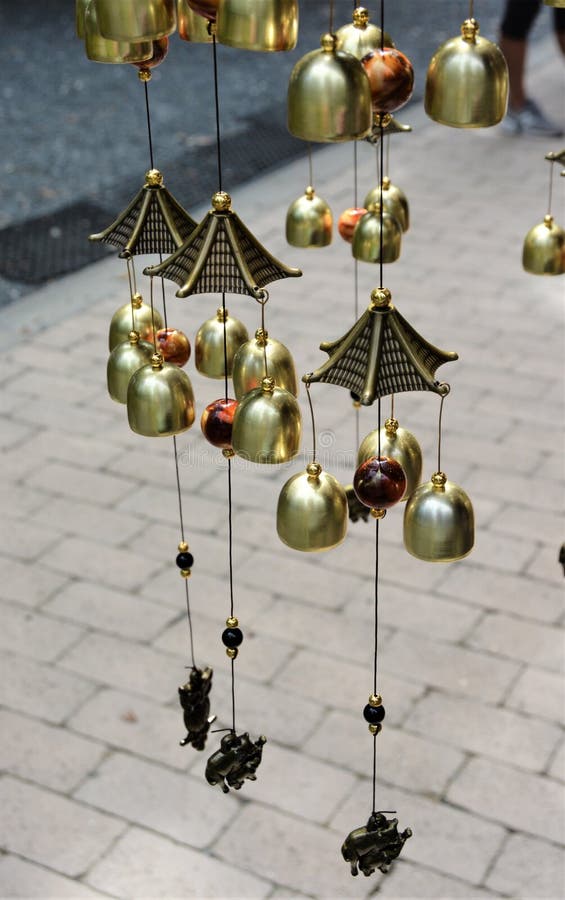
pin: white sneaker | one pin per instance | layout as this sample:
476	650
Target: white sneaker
530	120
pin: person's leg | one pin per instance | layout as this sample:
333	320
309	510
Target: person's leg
517	21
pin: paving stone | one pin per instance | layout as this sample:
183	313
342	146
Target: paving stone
161	505
50	756
93	452
97	562
522	801
529	868
17	586
409	881
540	693
40	690
101	525
35	635
76	421
18	501
557	767
81	484
25	541
66	390
13	433
174	804
110	610
147	866
72	838
20	878
541	494
521	520
485	730
501	552
448	667
508	593
515	638
545	564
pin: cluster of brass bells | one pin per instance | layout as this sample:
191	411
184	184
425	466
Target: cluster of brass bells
309	221
544	249
267	425
439	524
467	81
217	341
312	511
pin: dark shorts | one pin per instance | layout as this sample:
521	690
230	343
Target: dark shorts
519	17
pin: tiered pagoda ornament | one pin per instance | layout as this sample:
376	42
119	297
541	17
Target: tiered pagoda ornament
544	245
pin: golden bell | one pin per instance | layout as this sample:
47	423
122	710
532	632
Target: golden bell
124	360
249	365
395	202
399	444
360	36
136	20
209	344
80	10
264	25
560	4
544	249
329	98
103	50
467	81
312	511
160	399
309	221
121	323
366	244
267	425
191	26
439	523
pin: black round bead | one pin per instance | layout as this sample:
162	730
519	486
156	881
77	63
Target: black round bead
374	714
232	637
185	560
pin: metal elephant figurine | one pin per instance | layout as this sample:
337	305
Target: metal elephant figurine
195	701
236	760
375	845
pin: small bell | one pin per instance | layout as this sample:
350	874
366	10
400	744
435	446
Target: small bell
206	8
309	221
191	26
467	81
136	20
348	220
209	351
360	37
367	237
124	360
399	444
174	345
143	319
312	511
103	50
395	202
265	25
439	523
544	249
249	365
329	98
267	425
391	78
160	399
217	422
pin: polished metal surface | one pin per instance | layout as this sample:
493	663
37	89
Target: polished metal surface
160	400
366	244
309	221
209	352
439	523
142	322
544	249
191	26
104	50
136	20
400	445
264	25
395	202
360	36
312	511
124	360
267	426
249	365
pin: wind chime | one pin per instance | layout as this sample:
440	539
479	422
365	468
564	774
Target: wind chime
544	245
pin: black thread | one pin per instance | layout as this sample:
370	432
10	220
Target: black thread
145	83
217	104
313	421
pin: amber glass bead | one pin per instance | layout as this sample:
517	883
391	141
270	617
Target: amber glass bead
391	77
348	220
379	482
174	345
217	422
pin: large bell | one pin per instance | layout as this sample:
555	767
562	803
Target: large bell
136	20
312	511
143	319
249	365
309	221
360	37
467	81
264	25
267	425
366	244
329	98
160	399
399	444
544	249
191	26
124	360
104	50
439	523
209	351
395	202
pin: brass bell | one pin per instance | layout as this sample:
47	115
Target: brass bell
191	26
124	360
206	8
209	344
329	98
136	20
560	4
360	37
267	425
366	244
395	202
312	511
143	319
264	25
103	50
249	365
160	399
399	444
309	221
439	523
467	81
544	249
80	10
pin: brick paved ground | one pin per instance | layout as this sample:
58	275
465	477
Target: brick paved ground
97	798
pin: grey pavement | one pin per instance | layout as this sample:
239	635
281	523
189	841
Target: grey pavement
97	798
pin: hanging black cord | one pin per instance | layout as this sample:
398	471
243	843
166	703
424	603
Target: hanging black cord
217	105
148	124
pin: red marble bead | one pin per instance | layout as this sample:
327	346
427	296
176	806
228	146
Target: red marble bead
348	220
206	8
379	482
160	50
217	422
174	345
391	77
